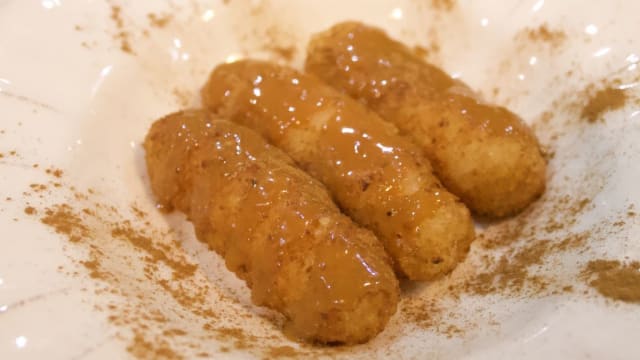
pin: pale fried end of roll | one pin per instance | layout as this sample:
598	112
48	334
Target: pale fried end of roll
276	227
379	178
483	153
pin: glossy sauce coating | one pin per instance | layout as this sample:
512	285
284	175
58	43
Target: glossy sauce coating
483	153
377	177
276	227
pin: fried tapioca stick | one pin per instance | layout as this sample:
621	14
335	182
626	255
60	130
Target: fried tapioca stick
276	227
483	153
377	177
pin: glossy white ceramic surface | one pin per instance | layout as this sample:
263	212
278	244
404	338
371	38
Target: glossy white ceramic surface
71	98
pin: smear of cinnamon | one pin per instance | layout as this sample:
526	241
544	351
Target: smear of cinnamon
122	35
614	279
602	101
545	34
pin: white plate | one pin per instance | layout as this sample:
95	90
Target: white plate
72	99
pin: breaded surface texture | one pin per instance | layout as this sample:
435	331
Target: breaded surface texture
483	153
379	178
275	226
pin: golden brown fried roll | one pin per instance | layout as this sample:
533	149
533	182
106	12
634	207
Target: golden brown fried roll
377	177
483	153
276	227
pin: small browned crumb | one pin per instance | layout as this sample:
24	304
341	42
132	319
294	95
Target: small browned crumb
159	21
614	280
30	210
602	101
78	28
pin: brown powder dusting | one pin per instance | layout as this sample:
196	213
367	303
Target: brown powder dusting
121	34
94	269
445	5
511	273
159	21
423	314
602	101
159	348
124	230
38	187
278	352
168	309
543	34
614	280
64	221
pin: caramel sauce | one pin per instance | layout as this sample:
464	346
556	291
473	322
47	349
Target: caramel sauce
376	176
483	153
390	80
275	226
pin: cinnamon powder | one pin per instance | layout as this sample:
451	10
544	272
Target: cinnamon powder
602	101
169	290
544	34
614	279
121	34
